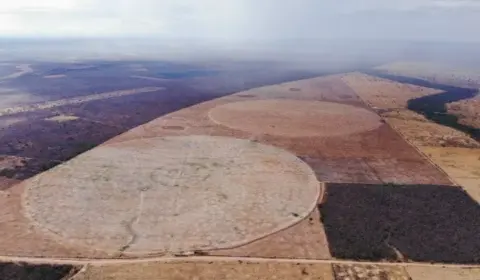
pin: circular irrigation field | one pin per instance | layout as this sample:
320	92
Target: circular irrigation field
294	118
172	194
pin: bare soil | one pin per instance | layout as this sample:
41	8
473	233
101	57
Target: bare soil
164	195
384	94
293	118
439	273
327	155
463	165
19	238
208	271
368	272
383	157
468	111
305	240
448	106
426	133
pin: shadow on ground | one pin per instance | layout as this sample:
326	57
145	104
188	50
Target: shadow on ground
424	223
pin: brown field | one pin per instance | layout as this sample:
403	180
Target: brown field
19	238
442	273
208	270
468	111
383	201
271	270
426	133
384	94
463	165
454	151
294	118
305	240
371	145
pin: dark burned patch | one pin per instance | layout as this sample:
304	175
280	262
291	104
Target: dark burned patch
346	96
246	95
173	127
29	168
24	271
425	223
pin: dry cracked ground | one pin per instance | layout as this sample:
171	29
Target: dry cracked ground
333	177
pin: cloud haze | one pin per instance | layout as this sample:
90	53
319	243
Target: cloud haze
242	20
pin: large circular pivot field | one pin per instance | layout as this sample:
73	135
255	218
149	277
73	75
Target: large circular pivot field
172	194
295	118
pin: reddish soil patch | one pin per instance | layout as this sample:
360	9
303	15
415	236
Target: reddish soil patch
305	240
293	118
380	152
174	127
382	156
19	238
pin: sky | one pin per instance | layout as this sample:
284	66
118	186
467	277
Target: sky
244	20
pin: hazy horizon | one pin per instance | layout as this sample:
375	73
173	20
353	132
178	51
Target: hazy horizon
334	33
235	21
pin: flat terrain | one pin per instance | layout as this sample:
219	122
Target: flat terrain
294	118
457	106
75	100
368	145
382	94
443	74
401	222
447	146
53	111
462	164
192	184
333	177
209	270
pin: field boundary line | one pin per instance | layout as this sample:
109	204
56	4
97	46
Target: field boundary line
169	259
